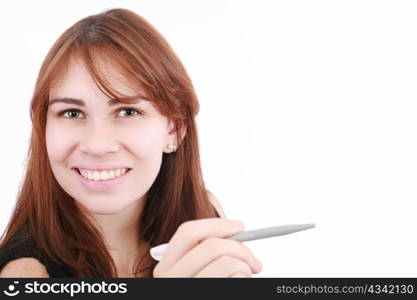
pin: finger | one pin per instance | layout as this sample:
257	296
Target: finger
191	233
225	266
240	275
209	250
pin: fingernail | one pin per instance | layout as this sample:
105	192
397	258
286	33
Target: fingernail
258	265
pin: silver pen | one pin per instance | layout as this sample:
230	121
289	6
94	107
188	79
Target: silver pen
158	252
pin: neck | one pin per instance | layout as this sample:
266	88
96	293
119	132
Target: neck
121	236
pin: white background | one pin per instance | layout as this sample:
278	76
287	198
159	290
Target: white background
308	114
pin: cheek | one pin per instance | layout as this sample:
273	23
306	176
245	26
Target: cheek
148	141
147	145
57	143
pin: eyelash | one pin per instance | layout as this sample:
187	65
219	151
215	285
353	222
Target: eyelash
61	114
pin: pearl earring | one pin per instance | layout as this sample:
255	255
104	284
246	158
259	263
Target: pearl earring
172	147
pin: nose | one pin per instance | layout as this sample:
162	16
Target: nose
98	140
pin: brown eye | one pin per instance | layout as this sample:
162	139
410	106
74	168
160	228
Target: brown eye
70	113
129	112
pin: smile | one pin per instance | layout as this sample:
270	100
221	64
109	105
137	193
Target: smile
101	180
102	175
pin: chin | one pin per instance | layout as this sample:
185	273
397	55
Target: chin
103	206
102	211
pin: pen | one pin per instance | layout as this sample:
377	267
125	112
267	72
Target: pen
158	252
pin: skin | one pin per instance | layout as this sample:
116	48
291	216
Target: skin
99	133
199	249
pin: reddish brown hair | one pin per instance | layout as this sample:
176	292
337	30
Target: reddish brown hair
45	212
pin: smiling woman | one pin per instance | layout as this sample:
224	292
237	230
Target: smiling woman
110	148
114	167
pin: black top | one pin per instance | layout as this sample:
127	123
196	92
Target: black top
29	249
26	247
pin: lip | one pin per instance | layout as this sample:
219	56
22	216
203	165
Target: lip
99	167
101	186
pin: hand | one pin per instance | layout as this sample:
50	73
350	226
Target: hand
199	248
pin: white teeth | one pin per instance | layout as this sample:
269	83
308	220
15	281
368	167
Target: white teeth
102	175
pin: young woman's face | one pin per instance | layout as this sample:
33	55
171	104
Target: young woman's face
100	140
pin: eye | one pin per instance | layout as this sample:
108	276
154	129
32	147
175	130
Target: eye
74	113
129	111
69	113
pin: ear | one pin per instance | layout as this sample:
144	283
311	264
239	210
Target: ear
172	134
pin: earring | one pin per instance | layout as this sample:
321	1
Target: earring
172	147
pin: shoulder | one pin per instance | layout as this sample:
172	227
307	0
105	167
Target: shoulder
216	204
24	267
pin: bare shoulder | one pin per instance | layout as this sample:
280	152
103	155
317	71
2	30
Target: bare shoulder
24	267
216	204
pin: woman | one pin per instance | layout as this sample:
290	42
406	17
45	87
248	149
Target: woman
113	167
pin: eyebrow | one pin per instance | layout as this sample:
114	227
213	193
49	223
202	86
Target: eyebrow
111	102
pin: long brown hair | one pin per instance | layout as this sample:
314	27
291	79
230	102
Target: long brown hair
45	212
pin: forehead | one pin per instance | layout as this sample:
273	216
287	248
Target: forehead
77	79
